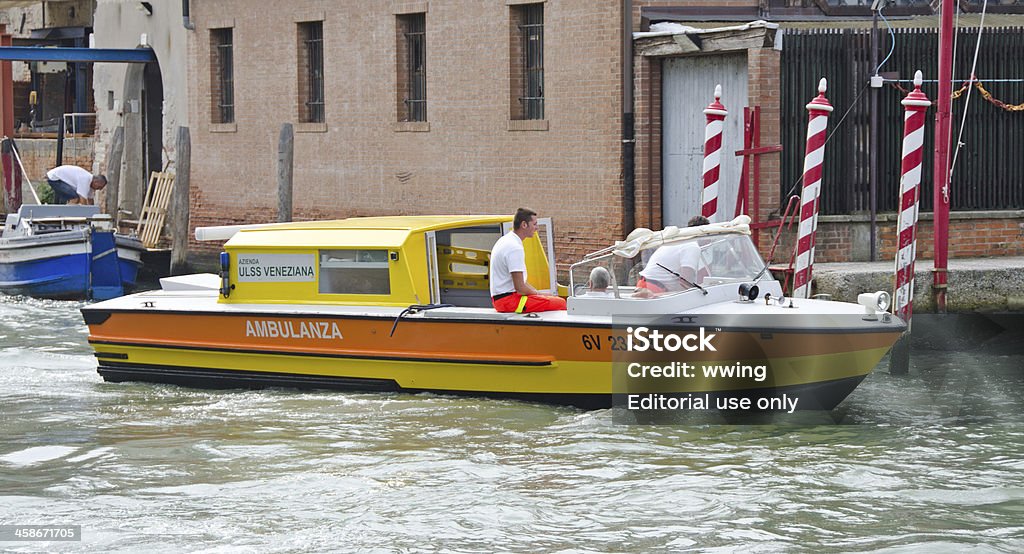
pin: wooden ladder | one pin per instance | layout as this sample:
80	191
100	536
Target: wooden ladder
154	209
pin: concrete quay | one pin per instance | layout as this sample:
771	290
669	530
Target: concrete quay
975	284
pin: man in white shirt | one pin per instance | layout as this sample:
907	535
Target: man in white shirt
73	185
672	267
509	290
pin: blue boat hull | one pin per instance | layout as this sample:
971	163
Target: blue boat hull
67	265
62	277
129	270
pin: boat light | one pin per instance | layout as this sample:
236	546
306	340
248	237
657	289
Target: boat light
748	292
874	302
225	274
884	301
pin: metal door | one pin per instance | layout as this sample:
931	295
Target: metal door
688	86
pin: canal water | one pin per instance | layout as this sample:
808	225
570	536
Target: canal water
932	461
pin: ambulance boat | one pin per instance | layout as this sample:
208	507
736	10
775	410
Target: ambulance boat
401	304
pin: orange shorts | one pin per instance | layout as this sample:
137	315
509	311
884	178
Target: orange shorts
652	286
534	303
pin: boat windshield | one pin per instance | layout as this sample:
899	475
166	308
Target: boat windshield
730	257
670	268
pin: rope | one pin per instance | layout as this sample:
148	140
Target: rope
839	124
415	309
948	139
967	104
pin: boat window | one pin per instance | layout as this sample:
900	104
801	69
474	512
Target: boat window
354	272
731	257
594	278
476	237
667	269
475	244
722	259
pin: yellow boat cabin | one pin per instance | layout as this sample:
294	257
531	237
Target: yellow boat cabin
379	261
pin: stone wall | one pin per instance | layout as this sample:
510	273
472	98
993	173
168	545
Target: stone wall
971	235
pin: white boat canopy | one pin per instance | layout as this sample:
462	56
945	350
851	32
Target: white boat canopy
645	239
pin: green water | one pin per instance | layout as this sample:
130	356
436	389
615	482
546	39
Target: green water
923	463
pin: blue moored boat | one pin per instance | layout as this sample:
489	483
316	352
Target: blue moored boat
66	252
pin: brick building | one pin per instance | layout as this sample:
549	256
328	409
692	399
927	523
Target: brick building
447	106
478	144
463	143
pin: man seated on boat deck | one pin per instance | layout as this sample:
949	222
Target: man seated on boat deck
509	290
73	185
600	278
672	267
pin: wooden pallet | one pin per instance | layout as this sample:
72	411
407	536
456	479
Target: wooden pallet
154	209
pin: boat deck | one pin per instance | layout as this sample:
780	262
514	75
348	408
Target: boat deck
609	309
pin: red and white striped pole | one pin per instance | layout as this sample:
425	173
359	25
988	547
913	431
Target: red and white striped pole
814	157
715	114
915	106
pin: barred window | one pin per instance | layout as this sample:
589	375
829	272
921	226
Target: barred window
527	61
311	71
222	79
412	67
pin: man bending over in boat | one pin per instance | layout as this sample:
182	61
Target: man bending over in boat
73	185
672	267
509	290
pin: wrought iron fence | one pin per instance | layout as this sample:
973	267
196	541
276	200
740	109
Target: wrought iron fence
990	168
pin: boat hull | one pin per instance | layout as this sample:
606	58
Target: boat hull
69	265
824	395
563	362
129	259
57	267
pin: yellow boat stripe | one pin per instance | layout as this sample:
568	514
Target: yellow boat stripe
561	377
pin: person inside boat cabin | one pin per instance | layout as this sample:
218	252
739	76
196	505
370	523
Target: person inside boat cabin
510	292
672	267
600	278
73	185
